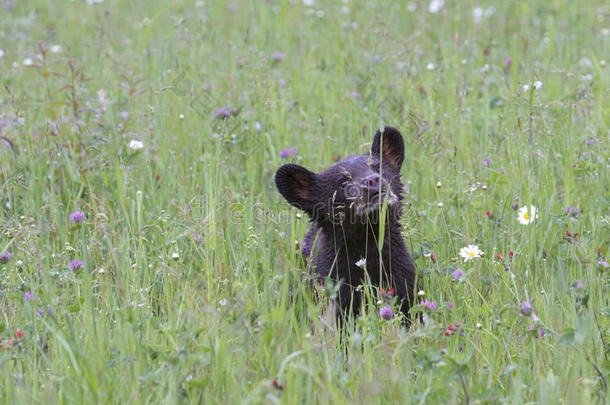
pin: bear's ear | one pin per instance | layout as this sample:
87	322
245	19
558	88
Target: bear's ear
392	149
297	185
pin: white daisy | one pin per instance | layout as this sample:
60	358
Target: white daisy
470	252
361	263
527	215
537	84
135	144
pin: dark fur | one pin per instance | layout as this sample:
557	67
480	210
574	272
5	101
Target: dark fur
342	233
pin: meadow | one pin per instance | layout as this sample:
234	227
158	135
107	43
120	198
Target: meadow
147	257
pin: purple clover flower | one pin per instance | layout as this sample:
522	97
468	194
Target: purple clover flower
289	152
77	216
450	305
572	211
590	141
386	313
5	257
508	61
578	285
486	162
28	296
223	113
603	263
457	274
526	308
76	265
277	56
428	304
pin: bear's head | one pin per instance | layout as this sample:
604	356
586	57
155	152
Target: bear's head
354	189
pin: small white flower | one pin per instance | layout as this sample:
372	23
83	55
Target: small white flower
439	184
436	5
479	325
55	49
28	62
258	126
181	116
440	204
430	66
1	53
470	252
537	84
361	263
527	216
526	88
477	14
134	144
421	293
175	256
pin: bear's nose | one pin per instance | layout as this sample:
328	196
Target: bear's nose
371	182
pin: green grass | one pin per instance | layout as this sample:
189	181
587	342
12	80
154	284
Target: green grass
158	316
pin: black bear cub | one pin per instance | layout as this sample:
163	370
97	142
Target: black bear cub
346	203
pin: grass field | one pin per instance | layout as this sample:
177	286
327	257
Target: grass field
147	257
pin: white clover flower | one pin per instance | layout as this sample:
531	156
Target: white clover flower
430	66
537	84
435	6
55	49
134	144
470	252
28	62
527	216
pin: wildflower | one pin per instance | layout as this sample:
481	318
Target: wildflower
289	152
197	238
175	256
19	334
489	214
55	49
508	61
578	285
537	84
28	62
449	305
590	141
477	14
526	88
421	293
486	161
500	256
432	257
386	312
510	254
76	265
1	53
28	296
223	113
527	216
428	304
376	58
435	6
526	308
603	264
304	249
278	56
134	144
4	257
430	66
361	263
440	204
470	252
439	184
40	311
77	216
457	274
573	211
